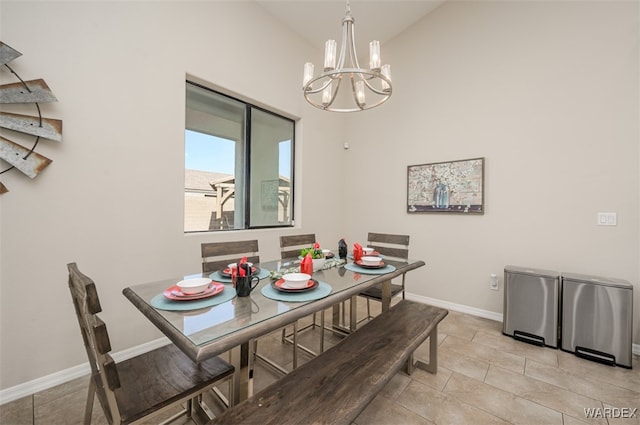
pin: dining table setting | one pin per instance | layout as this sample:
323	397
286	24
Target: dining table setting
207	314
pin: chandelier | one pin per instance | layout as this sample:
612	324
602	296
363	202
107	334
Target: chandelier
368	88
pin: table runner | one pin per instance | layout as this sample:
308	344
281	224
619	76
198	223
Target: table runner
330	263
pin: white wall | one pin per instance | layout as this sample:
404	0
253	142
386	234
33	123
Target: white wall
547	92
112	200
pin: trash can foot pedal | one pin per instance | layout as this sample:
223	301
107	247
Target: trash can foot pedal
529	338
596	356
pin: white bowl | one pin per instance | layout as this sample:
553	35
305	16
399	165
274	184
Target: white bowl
367	251
371	261
326	252
194	286
296	280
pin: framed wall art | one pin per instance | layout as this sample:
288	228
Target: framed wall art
446	187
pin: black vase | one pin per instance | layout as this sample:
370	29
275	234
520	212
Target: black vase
342	248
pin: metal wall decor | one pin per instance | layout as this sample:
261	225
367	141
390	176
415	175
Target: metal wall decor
33	92
446	187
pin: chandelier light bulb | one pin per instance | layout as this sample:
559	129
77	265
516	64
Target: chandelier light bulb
374	55
330	55
308	73
360	95
386	71
326	95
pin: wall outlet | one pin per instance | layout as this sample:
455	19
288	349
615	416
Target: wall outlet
493	282
607	219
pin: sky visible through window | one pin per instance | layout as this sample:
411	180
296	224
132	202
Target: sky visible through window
209	153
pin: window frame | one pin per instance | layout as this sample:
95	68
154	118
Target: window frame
247	147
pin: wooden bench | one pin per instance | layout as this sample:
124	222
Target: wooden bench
334	387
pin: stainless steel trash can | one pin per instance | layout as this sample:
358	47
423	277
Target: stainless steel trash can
597	318
531	301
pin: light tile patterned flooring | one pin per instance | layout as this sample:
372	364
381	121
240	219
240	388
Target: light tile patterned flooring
483	377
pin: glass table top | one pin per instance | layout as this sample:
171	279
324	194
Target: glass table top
205	326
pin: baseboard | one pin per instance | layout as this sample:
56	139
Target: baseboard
635	348
57	378
66	375
455	307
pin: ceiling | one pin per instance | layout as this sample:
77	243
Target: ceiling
320	20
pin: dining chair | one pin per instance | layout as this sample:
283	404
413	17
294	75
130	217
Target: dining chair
290	246
144	386
394	247
216	255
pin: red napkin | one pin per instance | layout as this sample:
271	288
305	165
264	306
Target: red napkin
234	275
357	251
306	265
241	271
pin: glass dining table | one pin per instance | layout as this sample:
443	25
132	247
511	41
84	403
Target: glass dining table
208	327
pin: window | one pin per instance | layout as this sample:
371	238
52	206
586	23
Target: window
238	164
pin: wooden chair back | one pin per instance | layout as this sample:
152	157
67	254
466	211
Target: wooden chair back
216	255
104	374
291	245
389	245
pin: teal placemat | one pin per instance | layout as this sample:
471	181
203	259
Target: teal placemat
321	291
162	303
219	277
363	270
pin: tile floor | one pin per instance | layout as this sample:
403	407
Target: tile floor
483	377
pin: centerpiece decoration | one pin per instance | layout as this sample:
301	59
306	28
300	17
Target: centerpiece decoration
317	255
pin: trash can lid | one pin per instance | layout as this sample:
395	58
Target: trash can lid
532	272
597	280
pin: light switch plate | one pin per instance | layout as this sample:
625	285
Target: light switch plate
607	219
